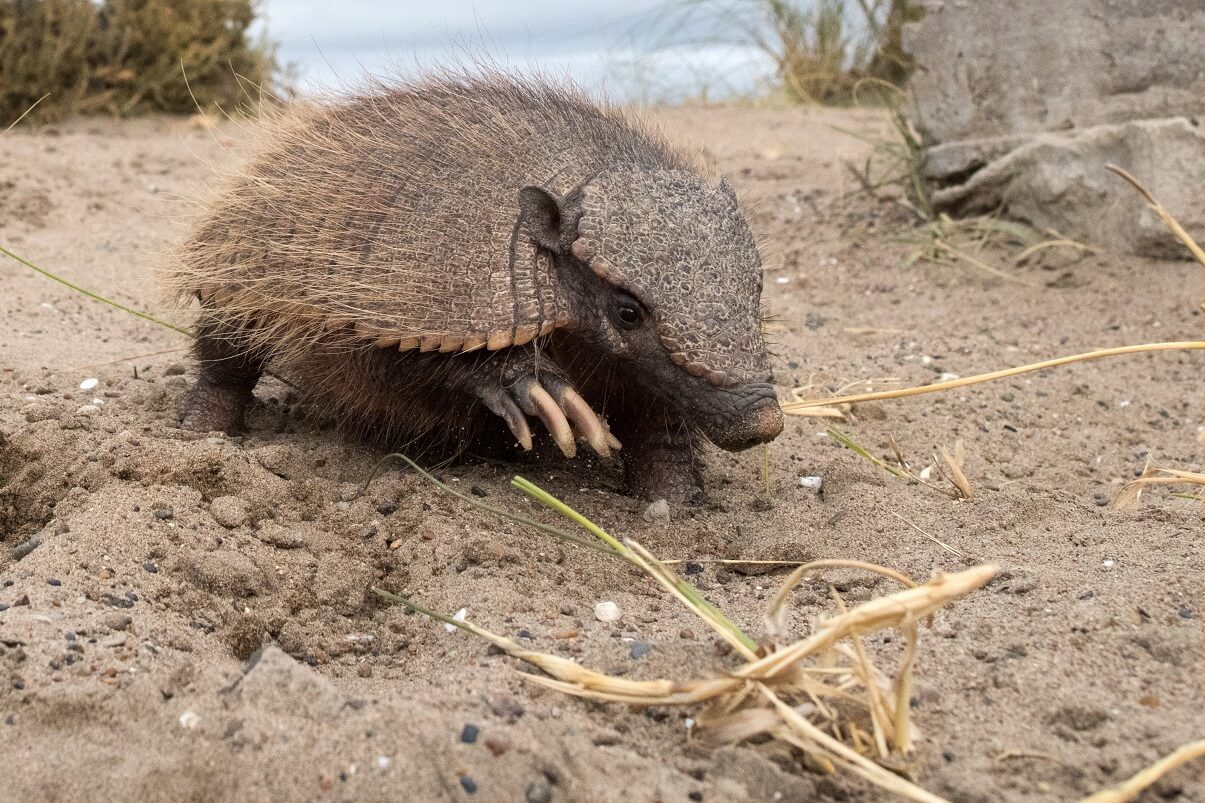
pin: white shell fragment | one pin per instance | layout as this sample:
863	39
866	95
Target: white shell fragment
607	611
813	484
89	383
459	617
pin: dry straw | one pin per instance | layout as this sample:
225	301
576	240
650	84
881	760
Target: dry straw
823	694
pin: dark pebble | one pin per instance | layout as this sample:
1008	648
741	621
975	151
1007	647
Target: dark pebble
150	567
18	685
117	602
10	720
69	635
1186	612
468	784
694	568
524	633
640	649
21	550
477	490
175	369
3	607
538	792
695	795
948	756
54	581
1100	499
387	508
165	513
469	734
21	600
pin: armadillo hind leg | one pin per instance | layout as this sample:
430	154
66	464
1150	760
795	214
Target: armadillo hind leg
223	390
531	385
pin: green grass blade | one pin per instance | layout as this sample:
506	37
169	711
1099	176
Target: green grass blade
94	296
477	503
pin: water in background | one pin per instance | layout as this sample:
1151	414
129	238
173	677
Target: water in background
630	50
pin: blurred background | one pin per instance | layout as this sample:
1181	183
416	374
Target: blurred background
129	56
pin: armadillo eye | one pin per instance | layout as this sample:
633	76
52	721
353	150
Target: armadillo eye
628	313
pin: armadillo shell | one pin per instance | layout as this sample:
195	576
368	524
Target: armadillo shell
394	216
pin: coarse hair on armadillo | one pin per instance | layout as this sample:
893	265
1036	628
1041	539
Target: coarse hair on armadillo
389	217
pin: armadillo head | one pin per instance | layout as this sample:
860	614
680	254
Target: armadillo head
674	290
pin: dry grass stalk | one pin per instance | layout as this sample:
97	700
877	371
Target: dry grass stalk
796	407
952	550
822	694
1155	474
961	489
1164	215
1132	787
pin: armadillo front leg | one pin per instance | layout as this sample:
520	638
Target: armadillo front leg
224	386
530	384
660	463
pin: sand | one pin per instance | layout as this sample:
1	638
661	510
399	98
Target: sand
142	568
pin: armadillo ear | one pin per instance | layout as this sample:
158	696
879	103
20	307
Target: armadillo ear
541	210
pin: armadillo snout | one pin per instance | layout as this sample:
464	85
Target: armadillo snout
757	420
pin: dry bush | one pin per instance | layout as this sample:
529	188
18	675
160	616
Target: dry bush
129	56
822	48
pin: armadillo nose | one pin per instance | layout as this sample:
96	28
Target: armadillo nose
768	422
760	422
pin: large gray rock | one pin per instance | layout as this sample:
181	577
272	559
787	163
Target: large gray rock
1021	103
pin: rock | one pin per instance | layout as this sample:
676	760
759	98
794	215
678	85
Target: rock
165	514
607	611
538	792
224	571
278	684
229	511
1024	115
813	484
23	549
116	621
640	649
280	537
175	369
657	511
469	734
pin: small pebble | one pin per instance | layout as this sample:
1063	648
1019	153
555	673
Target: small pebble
54	582
89	383
151	567
538	792
657	511
189	720
175	369
469	734
694	568
165	513
387	508
468	784
21	600
813	484
496	745
640	649
1186	612
21	550
607	611
229	511
477	490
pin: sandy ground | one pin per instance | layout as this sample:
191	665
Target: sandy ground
142	567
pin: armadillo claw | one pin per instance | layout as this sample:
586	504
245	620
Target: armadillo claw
553	417
565	414
503	406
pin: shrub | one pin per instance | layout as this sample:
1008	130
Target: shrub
129	56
